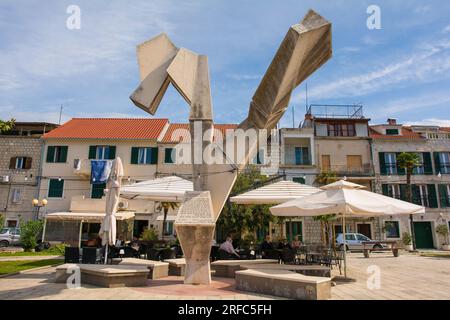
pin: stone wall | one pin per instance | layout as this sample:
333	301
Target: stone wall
25	180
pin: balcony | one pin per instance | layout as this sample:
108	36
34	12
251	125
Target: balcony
82	167
343	170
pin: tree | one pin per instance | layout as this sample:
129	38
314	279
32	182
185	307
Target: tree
2	220
409	161
165	206
6	126
238	219
29	233
326	177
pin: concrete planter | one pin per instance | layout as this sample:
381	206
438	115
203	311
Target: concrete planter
409	247
446	247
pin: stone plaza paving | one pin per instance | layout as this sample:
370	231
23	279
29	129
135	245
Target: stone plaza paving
406	277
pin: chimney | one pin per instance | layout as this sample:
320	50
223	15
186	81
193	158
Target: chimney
392	122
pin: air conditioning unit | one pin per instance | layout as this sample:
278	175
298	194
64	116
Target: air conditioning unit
123	205
4	178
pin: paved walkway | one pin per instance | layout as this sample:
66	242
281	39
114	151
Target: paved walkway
406	277
29	258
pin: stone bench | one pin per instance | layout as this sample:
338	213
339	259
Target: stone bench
176	266
157	269
227	268
110	276
307	270
283	283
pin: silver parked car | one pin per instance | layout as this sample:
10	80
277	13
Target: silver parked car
354	241
9	237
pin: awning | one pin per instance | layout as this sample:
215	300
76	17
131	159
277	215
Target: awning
275	193
168	189
87	216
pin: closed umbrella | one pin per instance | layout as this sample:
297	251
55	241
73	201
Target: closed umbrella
108	227
345	199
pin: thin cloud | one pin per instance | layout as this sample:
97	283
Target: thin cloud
430	122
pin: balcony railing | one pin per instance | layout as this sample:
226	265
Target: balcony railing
355	171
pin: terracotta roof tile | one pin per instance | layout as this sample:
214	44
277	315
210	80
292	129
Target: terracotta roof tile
407	134
109	128
179	132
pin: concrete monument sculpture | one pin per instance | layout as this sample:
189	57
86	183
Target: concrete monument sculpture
305	48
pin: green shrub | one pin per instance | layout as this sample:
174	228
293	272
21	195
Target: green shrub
149	234
406	238
29	233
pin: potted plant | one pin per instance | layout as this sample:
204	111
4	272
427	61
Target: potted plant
407	241
442	230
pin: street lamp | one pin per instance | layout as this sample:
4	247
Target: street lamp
38	205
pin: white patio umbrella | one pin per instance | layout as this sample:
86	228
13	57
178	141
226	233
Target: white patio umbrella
275	193
346	199
108	227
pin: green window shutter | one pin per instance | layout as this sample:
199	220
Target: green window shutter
55	188
385	189
63	155
169	154
92	152
428	168
134	155
400	171
443	196
98	190
416	198
403	192
437	162
154	157
432	197
383	170
112	152
50	154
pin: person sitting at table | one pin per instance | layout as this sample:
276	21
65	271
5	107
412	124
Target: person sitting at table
266	244
296	243
227	247
284	244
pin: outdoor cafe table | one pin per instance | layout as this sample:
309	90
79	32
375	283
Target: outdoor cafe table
368	246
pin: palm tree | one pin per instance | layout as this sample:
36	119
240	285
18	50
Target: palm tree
409	161
6	126
165	206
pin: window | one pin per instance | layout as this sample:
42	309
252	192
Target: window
341	130
57	154
392	132
102	152
20	163
361	237
259	159
144	155
98	190
392	229
349	237
302	156
442	162
16	195
169	228
444	195
390	159
55	188
421	168
169	155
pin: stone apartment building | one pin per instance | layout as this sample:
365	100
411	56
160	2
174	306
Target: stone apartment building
20	165
430	181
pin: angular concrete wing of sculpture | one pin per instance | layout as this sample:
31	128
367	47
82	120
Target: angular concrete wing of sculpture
305	48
